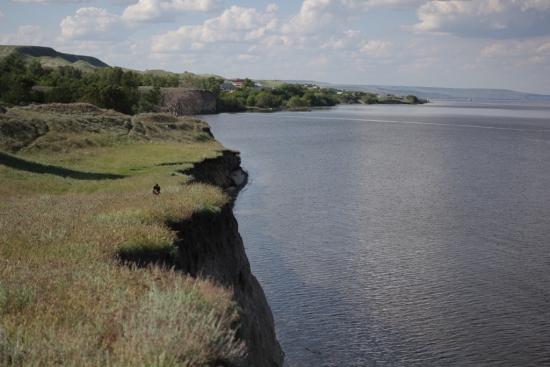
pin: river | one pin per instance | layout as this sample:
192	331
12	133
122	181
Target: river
394	235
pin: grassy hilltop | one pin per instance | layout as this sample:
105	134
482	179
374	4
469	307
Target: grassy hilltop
48	57
75	201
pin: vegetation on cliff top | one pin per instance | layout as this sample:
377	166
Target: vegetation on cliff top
23	82
76	201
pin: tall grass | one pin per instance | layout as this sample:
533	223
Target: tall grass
70	214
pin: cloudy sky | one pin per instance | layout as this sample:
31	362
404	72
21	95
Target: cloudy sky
463	44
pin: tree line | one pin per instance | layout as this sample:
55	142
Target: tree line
22	83
282	96
111	88
249	96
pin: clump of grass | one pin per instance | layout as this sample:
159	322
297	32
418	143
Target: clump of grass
75	200
171	321
148	245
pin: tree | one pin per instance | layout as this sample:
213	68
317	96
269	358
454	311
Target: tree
251	100
34	69
69	72
151	101
13	63
412	99
130	80
110	97
369	98
211	83
267	100
66	93
17	89
297	102
247	83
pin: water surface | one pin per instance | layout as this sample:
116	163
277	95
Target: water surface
400	235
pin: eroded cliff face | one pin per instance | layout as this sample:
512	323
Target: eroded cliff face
211	246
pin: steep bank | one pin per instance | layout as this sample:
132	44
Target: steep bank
76	200
211	246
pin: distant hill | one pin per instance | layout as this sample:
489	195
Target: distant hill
438	93
51	58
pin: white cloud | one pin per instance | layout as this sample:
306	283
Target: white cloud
94	24
1	16
242	35
320	16
377	49
504	49
349	40
248	58
392	4
544	49
167	10
27	35
124	2
517	52
326	16
236	24
486	18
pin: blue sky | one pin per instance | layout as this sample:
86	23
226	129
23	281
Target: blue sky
463	44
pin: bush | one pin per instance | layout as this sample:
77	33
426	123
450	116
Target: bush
297	102
412	99
267	100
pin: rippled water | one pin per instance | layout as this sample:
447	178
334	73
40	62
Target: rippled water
400	235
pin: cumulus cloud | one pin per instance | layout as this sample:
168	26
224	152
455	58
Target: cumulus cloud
326	16
347	40
392	4
94	24
167	10
233	25
506	49
486	18
377	49
320	16
518	52
27	35
544	49
243	35
124	2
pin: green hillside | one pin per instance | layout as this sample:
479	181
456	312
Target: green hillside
49	57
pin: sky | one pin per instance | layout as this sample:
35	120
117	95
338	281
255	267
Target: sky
450	44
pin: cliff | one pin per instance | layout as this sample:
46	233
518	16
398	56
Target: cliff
208	103
76	207
210	245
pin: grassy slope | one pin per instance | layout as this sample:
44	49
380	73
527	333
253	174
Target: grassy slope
75	198
270	83
48	57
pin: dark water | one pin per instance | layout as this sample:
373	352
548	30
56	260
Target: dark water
399	235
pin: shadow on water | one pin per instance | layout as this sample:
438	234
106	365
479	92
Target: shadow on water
23	165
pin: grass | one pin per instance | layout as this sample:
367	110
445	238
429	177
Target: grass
76	204
270	83
48	57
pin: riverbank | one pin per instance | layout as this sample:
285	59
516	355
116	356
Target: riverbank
94	266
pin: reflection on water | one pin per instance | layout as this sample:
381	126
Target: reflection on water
398	235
